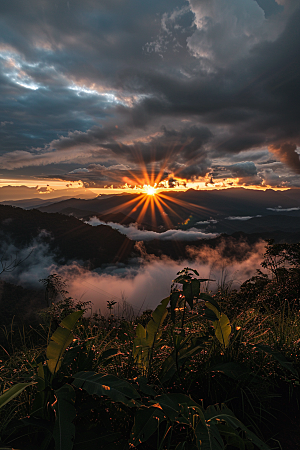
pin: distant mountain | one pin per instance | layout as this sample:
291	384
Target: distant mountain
178	206
68	238
292	193
240	201
263	224
102	204
30	203
16	193
71	239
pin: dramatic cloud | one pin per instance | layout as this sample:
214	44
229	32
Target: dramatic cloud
288	155
246	172
189	89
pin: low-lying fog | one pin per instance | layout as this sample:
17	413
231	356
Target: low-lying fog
135	234
143	283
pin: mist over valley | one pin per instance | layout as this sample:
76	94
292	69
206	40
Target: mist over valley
103	253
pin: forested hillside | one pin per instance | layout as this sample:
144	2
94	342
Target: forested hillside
68	238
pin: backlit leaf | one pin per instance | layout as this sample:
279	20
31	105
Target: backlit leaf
64	407
13	392
113	387
60	340
222	330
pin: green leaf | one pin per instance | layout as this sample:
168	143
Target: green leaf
210	299
188	348
144	387
188	294
195	287
41	377
107	355
208	437
235	371
13	392
145	339
210	315
146	422
60	340
158	316
221	324
174	296
171	404
140	331
70	321
193	270
232	437
182	279
64	407
140	348
116	389
222	330
227	415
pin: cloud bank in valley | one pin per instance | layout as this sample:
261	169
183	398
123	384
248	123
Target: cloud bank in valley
132	232
280	209
195	90
241	217
143	283
146	285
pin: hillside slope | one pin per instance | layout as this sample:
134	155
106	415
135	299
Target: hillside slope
67	236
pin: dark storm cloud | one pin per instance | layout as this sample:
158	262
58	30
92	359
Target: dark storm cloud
287	154
270	7
167	152
102	85
246	172
184	145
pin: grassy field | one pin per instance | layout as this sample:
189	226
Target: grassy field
202	371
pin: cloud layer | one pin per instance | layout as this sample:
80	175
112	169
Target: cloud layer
104	91
143	283
132	232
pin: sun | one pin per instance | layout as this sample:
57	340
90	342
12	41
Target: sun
149	190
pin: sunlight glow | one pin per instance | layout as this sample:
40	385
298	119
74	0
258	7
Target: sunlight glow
149	190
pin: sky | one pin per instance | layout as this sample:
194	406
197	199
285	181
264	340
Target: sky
123	93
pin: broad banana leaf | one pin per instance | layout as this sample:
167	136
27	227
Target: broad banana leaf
13	392
146	337
146	422
221	325
65	412
60	340
116	389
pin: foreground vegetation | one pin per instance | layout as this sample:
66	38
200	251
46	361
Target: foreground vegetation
202	371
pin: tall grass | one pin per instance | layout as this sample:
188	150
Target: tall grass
255	373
